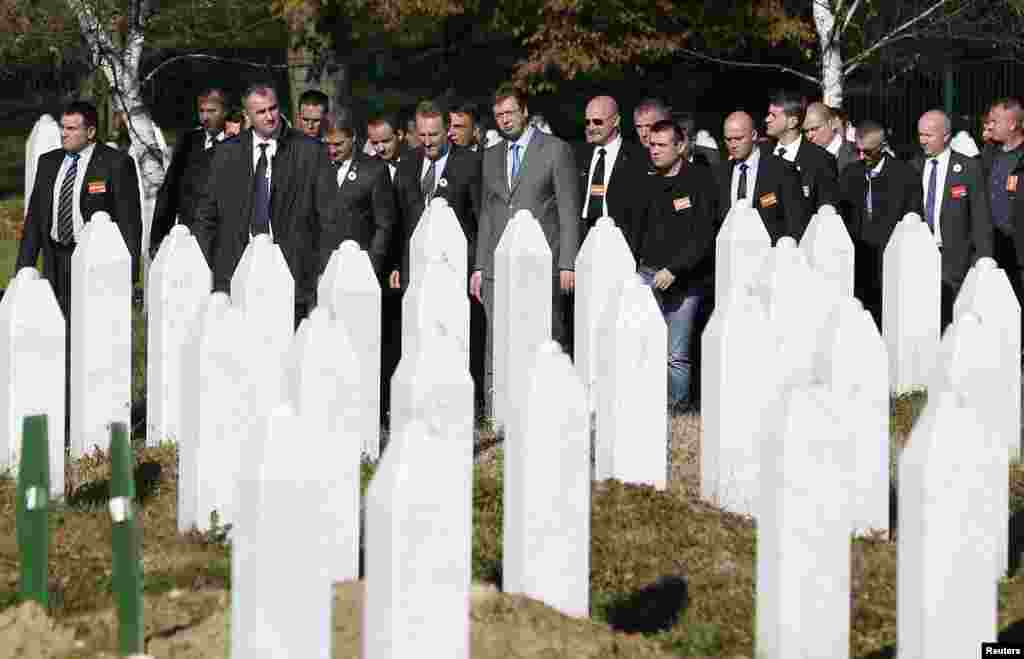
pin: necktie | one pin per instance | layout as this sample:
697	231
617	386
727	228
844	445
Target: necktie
929	210
65	221
427	182
515	161
781	152
741	187
868	202
595	205
261	196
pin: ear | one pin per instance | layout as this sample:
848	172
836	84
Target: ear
90	133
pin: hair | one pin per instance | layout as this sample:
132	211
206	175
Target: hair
90	117
390	120
668	125
792	104
509	90
652	104
315	97
1011	104
339	121
870	127
235	115
470	108
260	88
214	94
429	109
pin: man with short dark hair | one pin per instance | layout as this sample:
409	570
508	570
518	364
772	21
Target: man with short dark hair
696	154
234	122
313	105
387	141
673	236
875	194
464	128
269	180
176	199
648	112
817	169
1003	167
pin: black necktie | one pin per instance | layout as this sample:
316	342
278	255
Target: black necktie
595	205
261	196
65	214
781	152
427	182
741	188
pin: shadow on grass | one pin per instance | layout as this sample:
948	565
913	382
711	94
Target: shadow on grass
97	493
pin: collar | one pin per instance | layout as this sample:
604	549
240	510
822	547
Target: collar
752	159
943	157
86	152
791	149
878	168
836	144
611	148
524	139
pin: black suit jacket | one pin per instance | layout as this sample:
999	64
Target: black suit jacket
965	225
847	155
459	184
818	177
300	218
894	193
362	209
710	156
180	190
120	197
630	168
777	196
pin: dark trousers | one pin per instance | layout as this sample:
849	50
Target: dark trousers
1004	250
61	282
867	278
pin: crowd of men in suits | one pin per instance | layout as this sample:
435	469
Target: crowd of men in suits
245	171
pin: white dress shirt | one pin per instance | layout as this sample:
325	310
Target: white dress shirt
211	140
940	188
84	156
439	166
790	149
523	142
834	146
343	171
611	152
752	161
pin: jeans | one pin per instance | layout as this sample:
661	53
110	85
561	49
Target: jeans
680	308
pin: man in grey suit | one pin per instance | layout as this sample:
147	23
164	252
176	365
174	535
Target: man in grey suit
819	128
537	172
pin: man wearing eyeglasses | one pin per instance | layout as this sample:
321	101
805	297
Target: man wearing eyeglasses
313	105
608	166
875	193
820	128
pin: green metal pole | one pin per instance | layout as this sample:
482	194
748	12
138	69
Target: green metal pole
31	518
127	559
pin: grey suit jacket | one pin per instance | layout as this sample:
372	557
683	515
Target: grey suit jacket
546	185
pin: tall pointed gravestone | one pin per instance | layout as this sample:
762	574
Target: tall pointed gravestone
740	249
45	136
986	291
947	506
632	388
853	363
547	489
350	291
101	334
603	261
32	359
435	305
910	304
179	282
829	250
736	339
279	510
499	323
438	238
524	281
217	412
420	607
263	289
803	538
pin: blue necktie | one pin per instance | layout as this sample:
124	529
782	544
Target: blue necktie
261	196
515	161
929	210
868	204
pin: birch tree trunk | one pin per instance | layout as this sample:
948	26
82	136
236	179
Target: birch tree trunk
831	58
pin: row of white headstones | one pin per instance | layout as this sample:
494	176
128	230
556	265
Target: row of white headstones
795	414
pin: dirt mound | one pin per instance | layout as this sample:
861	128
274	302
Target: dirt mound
26	631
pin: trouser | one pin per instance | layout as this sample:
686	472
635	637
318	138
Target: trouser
680	308
61	283
1004	250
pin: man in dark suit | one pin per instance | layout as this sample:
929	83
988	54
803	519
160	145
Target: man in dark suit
268	180
875	193
609	167
955	205
535	172
819	128
187	172
696	154
313	106
771	184
362	203
464	126
817	169
648	112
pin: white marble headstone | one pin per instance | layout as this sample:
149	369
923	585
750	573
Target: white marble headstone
45	136
179	282
735	375
438	238
986	291
32	359
435	305
546	532
263	289
803	533
742	244
911	282
101	334
420	607
603	261
632	387
829	249
946	507
350	291
500	321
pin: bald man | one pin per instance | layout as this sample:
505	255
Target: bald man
608	166
771	184
955	204
820	128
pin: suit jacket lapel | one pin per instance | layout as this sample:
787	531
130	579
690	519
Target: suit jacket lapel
281	181
953	178
246	170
